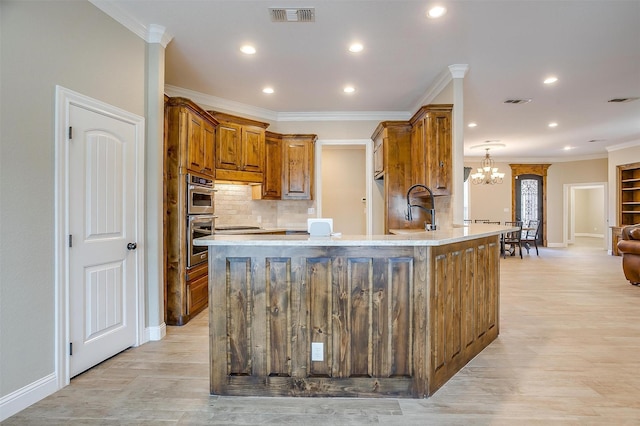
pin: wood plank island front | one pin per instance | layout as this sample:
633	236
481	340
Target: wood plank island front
355	316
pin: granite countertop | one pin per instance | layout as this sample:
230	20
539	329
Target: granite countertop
401	237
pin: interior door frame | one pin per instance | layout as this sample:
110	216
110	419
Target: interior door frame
568	211
64	99
368	144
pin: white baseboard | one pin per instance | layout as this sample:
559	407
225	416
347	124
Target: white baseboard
581	234
556	245
22	398
156	333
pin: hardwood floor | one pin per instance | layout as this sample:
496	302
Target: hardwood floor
568	353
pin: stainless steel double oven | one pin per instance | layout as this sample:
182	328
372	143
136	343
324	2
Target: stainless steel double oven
200	215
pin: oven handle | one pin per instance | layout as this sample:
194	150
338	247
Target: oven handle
202	188
203	218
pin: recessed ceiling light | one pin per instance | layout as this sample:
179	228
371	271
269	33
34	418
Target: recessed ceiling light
472	125
356	47
267	90
247	49
349	89
550	80
567	148
553	124
436	12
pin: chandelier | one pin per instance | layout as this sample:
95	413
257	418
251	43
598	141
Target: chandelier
487	174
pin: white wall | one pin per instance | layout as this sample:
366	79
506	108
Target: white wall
44	44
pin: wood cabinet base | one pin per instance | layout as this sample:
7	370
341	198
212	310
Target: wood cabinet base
349	321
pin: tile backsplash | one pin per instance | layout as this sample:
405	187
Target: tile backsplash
234	206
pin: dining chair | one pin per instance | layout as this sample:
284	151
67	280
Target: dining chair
531	234
492	222
481	221
513	239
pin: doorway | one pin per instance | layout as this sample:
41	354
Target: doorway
343	188
585	215
99	186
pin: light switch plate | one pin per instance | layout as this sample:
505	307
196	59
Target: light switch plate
317	351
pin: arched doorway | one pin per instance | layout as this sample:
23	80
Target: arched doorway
533	193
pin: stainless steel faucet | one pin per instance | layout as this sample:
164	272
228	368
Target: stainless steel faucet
431	211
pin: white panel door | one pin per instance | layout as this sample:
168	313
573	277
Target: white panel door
102	221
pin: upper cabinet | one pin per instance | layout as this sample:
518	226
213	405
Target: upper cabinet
297	166
431	149
239	148
192	131
289	172
271	188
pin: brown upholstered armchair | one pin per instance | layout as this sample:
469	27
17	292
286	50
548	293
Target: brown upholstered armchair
629	246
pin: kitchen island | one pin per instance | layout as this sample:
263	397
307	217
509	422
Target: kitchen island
357	316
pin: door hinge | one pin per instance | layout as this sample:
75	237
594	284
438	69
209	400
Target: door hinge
70	348
70	240
70	132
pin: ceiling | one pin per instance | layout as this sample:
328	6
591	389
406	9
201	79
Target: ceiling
510	47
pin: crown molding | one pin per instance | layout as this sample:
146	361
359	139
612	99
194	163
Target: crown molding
214	102
537	160
151	34
458	70
434	90
625	145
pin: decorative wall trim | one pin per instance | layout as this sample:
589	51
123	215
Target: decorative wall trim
151	34
438	85
623	146
214	102
155	333
30	394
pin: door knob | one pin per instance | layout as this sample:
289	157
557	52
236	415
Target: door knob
132	246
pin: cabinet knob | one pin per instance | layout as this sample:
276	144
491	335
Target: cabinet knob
132	246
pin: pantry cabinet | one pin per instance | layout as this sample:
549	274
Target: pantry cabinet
431	149
188	149
239	148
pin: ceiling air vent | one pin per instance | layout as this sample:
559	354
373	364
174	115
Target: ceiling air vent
622	100
517	101
307	14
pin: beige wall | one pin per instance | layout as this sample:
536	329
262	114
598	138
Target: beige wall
44	44
589	212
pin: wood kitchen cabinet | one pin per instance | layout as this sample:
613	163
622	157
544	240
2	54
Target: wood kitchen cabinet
193	130
289	167
297	166
239	148
188	148
431	149
392	139
271	188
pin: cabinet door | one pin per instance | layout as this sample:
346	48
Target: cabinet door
418	155
272	182
297	170
227	146
208	146
378	158
252	149
195	144
439	152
